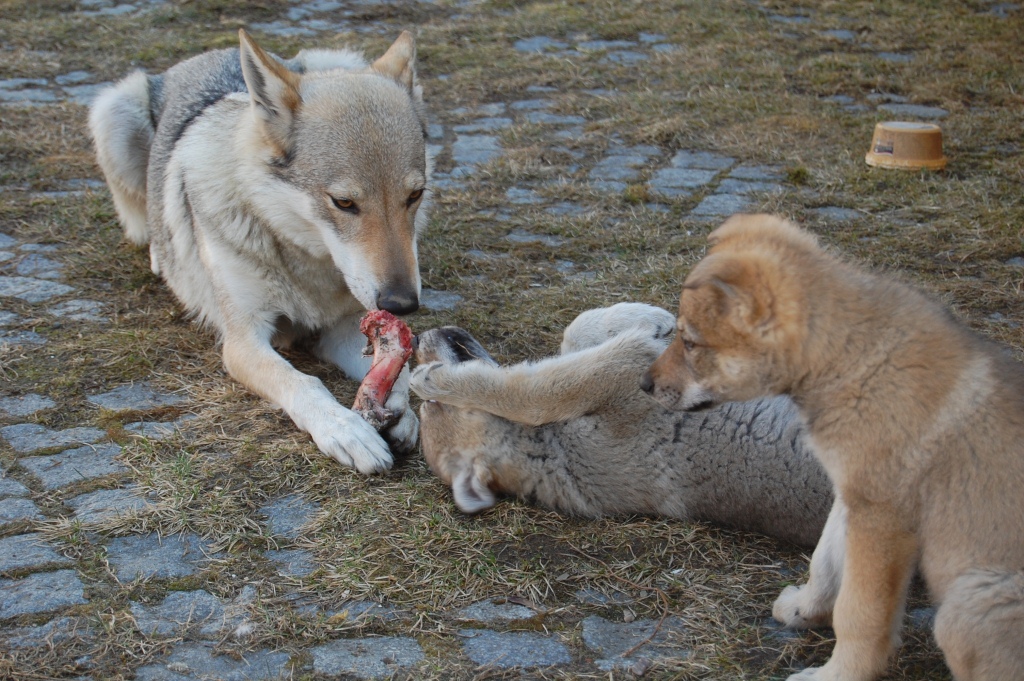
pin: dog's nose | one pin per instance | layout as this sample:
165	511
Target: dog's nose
647	383
398	302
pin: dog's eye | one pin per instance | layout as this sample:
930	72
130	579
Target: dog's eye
688	345
347	205
414	197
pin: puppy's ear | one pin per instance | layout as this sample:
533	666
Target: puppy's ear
273	91
399	62
742	292
470	489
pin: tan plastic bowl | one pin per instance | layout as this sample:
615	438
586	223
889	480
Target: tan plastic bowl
907	146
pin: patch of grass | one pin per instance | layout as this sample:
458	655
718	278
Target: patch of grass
734	84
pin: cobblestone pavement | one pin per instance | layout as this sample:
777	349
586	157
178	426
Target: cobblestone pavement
76	473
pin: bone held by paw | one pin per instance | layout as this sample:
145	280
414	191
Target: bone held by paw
391	340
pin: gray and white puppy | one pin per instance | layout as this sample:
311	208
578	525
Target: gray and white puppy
576	434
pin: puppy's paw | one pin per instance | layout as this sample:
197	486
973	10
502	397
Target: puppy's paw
795	609
403	436
809	674
429	381
348	439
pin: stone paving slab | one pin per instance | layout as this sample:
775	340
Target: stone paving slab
294	563
836	214
439	300
25	405
520	236
152	557
199	611
79	311
22	338
135	396
473	150
39	266
612	639
12	488
29	551
75	465
159	430
489	612
720	205
197	661
704	160
513	649
53	633
30	437
914	111
105	504
286	516
734	186
366	658
32	290
40	592
16	509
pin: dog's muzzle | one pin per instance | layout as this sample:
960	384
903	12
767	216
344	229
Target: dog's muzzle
398	302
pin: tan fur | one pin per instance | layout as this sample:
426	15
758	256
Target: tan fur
576	434
918	421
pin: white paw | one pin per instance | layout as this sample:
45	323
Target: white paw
348	439
403	435
809	674
795	610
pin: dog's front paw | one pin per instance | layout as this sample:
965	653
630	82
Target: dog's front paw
351	441
795	609
809	674
427	381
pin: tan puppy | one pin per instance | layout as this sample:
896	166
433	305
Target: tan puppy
918	421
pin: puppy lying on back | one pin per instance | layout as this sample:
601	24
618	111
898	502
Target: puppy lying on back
919	422
575	433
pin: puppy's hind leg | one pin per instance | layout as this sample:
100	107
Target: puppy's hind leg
122	130
980	626
811	605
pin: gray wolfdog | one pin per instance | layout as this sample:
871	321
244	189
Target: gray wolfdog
575	433
280	199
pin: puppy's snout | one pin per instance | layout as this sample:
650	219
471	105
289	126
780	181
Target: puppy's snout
647	383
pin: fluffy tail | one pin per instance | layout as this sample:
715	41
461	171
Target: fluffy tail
122	130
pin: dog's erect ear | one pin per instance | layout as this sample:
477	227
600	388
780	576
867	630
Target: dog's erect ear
399	62
273	90
470	490
741	291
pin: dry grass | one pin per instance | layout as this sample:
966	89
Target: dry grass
735	85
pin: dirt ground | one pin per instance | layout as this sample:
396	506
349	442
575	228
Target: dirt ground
576	107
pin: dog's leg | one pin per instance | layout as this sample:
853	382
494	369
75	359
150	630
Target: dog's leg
980	626
880	560
810	605
343	345
554	389
338	432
